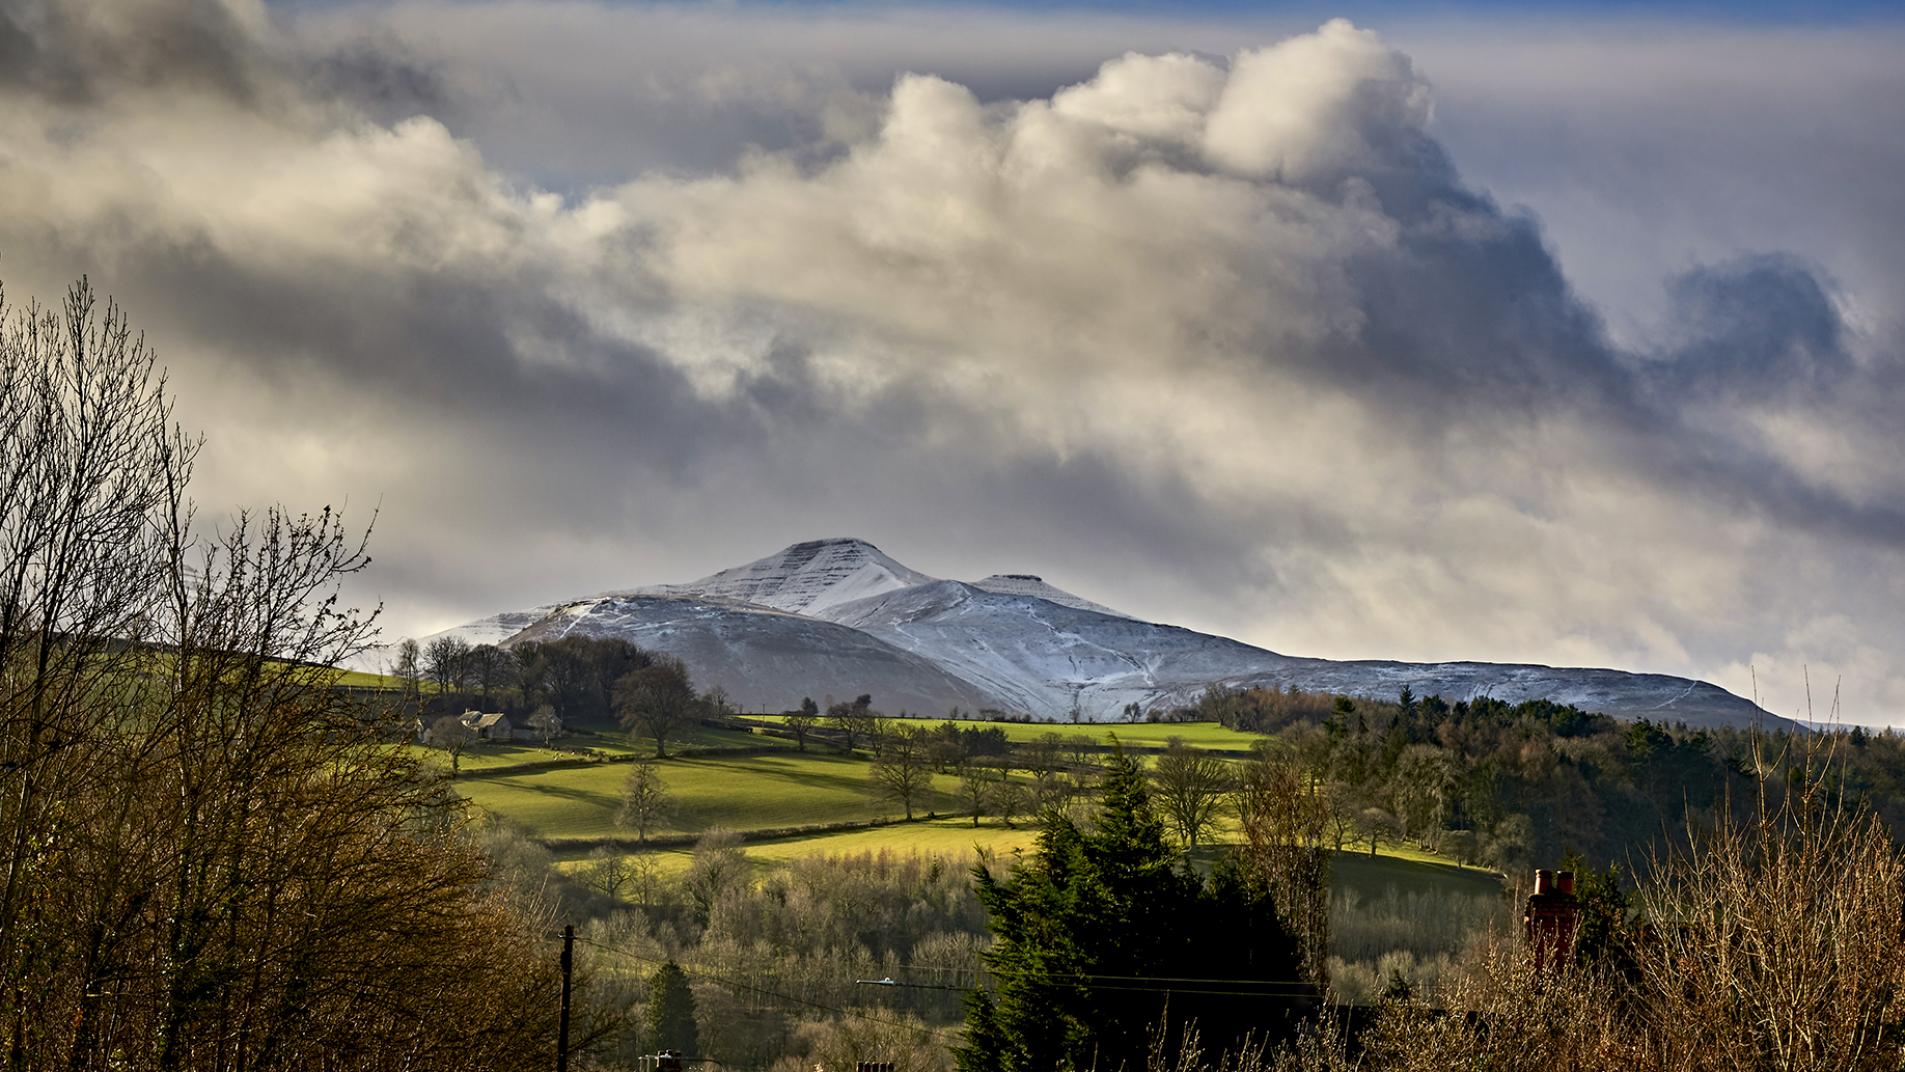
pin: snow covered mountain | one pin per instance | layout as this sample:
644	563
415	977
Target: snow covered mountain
839	617
765	659
1048	658
1045	657
807	578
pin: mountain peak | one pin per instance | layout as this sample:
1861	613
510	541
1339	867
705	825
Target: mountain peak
807	577
830	542
1031	584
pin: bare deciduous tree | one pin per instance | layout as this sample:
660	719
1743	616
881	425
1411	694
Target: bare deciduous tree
645	799
718	867
977	789
1191	785
1284	819
855	721
1008	798
211	856
445	660
90	464
489	667
546	723
450	734
608	872
802	720
408	667
657	701
903	773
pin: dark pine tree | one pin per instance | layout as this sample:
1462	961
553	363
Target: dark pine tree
671	1011
1107	936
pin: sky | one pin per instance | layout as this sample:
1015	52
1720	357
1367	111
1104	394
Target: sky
1553	333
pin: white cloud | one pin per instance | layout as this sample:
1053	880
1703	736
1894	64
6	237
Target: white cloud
1217	326
1318	107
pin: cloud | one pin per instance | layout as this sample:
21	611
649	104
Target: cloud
84	50
1756	325
1224	330
1320	108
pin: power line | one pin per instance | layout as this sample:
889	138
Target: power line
1112	978
1279	991
889	981
736	984
1265	988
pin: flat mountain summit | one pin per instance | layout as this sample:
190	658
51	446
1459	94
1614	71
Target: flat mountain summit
806	578
839	617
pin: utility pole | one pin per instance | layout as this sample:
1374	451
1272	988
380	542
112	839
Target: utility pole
562	1025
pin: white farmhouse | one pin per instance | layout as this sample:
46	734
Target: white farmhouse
488	726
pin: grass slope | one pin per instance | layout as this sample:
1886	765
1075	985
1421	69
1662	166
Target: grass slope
751	792
1372	876
771	786
959	843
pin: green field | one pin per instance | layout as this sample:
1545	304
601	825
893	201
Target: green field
571	807
580	747
953	839
752	792
958	842
364	679
1372	875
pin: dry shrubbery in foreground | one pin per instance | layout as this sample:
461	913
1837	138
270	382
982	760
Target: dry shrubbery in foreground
208	860
1776	941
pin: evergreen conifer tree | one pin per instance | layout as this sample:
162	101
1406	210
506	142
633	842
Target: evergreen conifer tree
1107	936
671	1011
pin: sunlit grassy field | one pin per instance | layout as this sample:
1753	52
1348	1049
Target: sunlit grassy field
949	838
572	807
485	756
959	843
752	792
364	679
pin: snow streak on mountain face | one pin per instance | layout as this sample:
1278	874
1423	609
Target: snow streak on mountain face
807	578
838	617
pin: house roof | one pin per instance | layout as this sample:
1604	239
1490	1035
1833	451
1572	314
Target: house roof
479	720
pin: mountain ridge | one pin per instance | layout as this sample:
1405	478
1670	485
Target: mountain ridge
840	616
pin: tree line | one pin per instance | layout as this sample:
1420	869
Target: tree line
1525	784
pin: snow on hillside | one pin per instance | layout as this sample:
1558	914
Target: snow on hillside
806	578
1612	692
1026	584
766	660
1051	659
494	629
1046	658
840	617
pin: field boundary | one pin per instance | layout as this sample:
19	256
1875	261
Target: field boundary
746	837
576	762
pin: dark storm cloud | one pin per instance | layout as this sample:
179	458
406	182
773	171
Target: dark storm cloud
80	50
1233	340
1757	324
378	74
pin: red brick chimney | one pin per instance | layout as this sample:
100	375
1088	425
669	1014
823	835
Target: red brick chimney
1549	921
